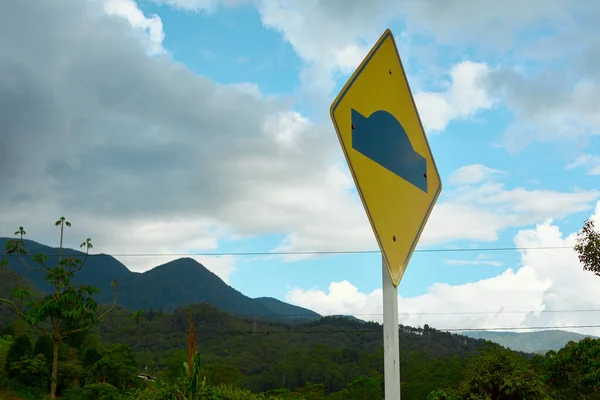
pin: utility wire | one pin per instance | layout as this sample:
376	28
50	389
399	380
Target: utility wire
405	313
301	253
328	331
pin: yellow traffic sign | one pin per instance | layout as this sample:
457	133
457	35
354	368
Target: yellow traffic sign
387	151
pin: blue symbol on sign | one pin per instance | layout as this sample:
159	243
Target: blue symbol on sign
382	138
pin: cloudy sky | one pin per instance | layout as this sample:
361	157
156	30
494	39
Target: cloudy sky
165	127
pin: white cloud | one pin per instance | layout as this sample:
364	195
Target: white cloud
330	40
222	266
207	6
472	174
342	298
481	212
331	37
139	244
589	162
547	283
115	139
464	97
478	209
152	26
546	108
496	25
481	259
142	155
550	86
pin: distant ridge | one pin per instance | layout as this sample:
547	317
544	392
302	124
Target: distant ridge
529	342
166	287
350	317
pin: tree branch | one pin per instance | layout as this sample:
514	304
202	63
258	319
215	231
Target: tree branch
87	252
113	305
17	310
27	265
66	333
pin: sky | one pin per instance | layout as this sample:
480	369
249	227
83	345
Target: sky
161	128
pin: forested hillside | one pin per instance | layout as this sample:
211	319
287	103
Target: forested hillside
334	358
68	345
277	357
329	351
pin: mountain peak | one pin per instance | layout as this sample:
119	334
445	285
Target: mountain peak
176	283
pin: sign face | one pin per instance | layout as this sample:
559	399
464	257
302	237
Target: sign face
388	154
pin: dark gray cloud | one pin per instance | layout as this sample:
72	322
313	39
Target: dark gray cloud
143	155
92	124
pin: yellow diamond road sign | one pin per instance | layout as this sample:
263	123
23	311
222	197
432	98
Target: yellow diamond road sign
388	154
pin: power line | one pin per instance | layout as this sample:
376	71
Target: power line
408	313
329	331
450	313
494	312
315	252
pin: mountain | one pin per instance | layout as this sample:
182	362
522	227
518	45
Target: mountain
279	307
175	284
529	342
350	317
294	312
8	281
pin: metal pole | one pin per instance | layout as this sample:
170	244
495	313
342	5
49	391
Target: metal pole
391	339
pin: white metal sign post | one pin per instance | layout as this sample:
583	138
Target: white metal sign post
391	337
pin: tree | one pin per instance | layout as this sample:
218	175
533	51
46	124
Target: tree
116	367
31	371
439	394
364	388
20	347
588	247
44	345
574	371
69	309
499	374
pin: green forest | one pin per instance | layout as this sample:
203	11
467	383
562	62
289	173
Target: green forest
61	343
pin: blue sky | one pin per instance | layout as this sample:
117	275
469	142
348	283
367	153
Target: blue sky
241	91
230	35
231	46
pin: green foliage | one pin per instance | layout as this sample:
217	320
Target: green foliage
363	388
17	327
173	363
44	345
4	347
68	310
229	392
500	374
91	357
222	374
31	371
439	394
332	358
19	348
574	371
117	366
588	247
100	391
